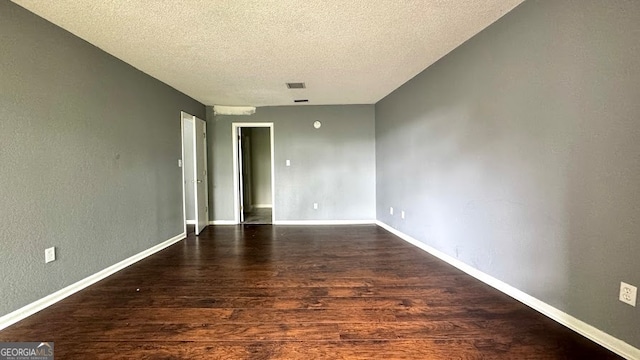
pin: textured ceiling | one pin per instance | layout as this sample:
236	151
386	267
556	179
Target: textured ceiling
242	52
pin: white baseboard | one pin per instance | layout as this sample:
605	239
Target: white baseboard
324	222
190	222
612	343
51	299
262	206
223	222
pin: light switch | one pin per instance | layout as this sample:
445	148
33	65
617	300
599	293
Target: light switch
179	162
288	162
49	254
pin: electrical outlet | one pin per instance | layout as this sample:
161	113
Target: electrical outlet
315	206
391	211
628	293
402	214
49	254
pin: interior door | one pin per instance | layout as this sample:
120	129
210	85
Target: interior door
200	175
240	175
247	195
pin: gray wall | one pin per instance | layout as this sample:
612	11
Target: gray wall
189	165
261	166
89	151
519	154
333	166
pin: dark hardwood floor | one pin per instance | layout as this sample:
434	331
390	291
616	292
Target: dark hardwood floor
277	292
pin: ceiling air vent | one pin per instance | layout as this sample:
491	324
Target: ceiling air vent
296	85
301	100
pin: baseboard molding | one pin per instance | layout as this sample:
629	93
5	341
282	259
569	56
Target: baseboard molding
38	305
262	206
612	343
324	222
190	222
223	222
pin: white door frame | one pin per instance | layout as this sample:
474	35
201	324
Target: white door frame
241	175
181	164
203	176
188	117
236	177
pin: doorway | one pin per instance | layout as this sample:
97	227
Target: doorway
253	168
194	173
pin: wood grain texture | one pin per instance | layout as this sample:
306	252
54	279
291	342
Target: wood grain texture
278	292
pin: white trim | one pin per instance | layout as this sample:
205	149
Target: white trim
262	206
223	222
273	173
41	304
325	222
205	178
614	344
190	222
236	177
184	191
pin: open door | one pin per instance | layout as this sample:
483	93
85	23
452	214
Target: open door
241	174
200	175
254	184
247	195
244	172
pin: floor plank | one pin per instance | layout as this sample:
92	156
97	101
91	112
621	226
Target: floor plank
280	292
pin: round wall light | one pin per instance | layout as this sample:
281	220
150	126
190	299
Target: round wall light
317	124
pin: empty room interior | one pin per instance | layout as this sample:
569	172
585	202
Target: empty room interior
321	179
